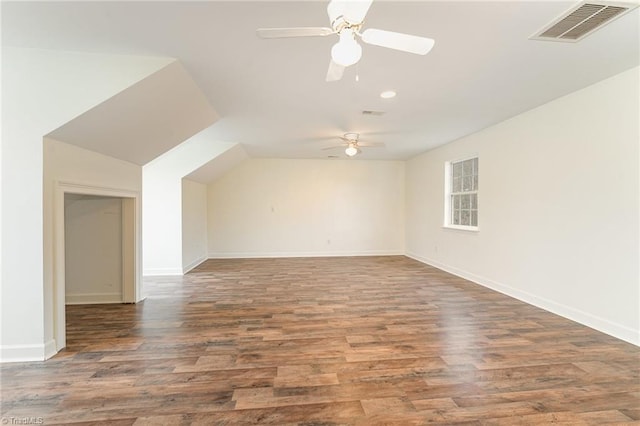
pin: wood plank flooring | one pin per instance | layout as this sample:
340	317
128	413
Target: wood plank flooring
325	341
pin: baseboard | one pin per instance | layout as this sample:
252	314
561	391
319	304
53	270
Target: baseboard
27	353
618	331
193	264
50	349
92	298
259	255
156	272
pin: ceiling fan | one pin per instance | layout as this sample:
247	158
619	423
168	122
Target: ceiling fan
353	144
347	18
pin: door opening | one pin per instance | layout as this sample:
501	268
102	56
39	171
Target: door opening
96	249
92	249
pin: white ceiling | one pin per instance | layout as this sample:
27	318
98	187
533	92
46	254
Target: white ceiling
224	162
271	94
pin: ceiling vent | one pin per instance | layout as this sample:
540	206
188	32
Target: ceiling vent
582	20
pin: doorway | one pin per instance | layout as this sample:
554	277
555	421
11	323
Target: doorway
92	249
80	213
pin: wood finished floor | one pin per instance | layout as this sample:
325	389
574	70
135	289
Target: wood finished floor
325	341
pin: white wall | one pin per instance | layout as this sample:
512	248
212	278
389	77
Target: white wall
93	249
194	224
281	207
72	169
41	90
559	195
162	202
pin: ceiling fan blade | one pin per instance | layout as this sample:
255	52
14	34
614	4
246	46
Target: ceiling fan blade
371	144
398	41
293	32
335	71
330	147
353	11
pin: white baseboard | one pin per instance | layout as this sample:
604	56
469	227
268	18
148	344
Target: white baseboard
27	353
193	264
50	349
259	255
92	298
156	272
618	331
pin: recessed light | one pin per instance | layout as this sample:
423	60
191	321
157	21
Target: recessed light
388	94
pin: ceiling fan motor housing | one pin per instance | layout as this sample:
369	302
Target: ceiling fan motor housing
351	137
344	14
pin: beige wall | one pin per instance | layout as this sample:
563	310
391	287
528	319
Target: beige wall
558	197
281	207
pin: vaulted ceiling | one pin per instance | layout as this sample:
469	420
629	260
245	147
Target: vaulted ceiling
272	97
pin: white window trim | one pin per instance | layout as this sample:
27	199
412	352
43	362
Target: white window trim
462	228
447	197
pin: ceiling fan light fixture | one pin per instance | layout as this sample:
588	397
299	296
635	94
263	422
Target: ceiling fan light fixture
347	51
351	150
388	94
346	19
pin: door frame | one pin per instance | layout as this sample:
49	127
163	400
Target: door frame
131	248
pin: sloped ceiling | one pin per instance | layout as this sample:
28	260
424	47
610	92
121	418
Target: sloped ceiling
44	89
145	120
219	166
272	96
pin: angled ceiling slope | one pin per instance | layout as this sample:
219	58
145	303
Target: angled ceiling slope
44	89
219	165
143	121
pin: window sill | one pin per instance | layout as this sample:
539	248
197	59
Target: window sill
462	228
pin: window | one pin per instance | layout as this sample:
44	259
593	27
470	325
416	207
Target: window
461	194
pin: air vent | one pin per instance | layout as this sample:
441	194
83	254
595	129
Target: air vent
369	112
582	20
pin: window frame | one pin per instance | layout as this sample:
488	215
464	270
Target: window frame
448	192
